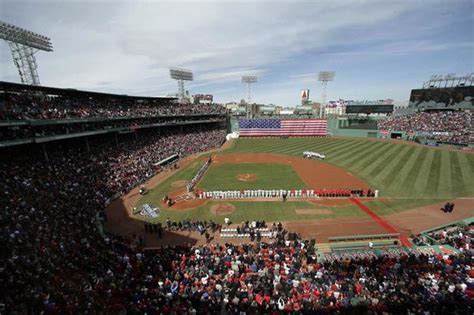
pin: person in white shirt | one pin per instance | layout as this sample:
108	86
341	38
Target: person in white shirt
451	288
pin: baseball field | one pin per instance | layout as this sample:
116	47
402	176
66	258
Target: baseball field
407	175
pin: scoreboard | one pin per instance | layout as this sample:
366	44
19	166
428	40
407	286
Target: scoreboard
459	97
369	109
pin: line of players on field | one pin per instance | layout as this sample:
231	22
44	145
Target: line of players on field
281	193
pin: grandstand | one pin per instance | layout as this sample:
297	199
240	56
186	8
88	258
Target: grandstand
121	204
436	115
67	154
33	114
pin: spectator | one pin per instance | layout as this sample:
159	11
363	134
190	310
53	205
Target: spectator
55	260
39	106
445	126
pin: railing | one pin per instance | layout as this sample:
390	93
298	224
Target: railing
354	246
167	160
363	237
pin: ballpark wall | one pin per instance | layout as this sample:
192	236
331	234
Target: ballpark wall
335	130
354	133
234	124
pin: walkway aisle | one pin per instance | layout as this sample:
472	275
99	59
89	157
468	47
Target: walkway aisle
390	229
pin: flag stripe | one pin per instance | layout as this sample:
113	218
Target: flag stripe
287	127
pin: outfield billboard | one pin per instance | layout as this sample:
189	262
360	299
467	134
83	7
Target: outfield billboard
369	109
304	96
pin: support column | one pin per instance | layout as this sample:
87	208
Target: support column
87	145
45	153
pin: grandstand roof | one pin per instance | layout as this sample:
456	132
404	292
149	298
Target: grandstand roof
17	87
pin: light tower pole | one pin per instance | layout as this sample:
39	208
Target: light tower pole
23	46
181	75
249	79
324	77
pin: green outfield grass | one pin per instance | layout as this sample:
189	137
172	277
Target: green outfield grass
269	176
269	211
407	176
397	170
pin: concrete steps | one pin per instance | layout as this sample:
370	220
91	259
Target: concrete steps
324	247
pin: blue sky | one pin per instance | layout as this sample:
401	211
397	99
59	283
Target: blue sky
379	49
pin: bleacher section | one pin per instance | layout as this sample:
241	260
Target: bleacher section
451	127
459	234
360	242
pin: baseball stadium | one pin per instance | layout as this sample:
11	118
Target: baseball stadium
122	204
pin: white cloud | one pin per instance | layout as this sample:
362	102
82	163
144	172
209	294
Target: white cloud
128	45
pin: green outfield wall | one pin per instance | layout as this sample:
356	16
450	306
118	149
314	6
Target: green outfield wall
234	124
335	124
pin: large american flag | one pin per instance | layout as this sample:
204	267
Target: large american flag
282	127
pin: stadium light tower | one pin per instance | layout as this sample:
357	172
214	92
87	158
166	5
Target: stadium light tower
249	79
181	75
324	77
23	46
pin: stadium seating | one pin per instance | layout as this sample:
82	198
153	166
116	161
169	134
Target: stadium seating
42	106
37	114
445	126
57	258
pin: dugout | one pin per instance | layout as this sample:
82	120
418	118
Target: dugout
396	135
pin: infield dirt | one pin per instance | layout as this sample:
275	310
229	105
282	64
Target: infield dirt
315	174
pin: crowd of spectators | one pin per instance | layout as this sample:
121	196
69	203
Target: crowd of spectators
35	131
114	113
24	106
156	228
137	161
445	126
458	237
200	226
49	217
54	260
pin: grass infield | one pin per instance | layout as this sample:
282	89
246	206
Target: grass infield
268	176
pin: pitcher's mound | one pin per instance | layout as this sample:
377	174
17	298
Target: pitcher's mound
179	183
222	208
312	211
247	177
